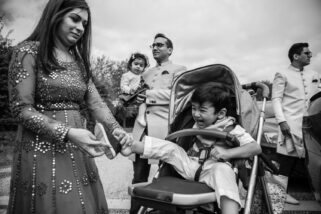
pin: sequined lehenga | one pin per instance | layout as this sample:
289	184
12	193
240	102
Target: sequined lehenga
50	174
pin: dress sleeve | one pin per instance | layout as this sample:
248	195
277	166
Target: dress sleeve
21	87
278	88
102	114
98	108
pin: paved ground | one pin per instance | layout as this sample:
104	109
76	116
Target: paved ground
116	176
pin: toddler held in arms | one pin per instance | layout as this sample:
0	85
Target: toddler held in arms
132	82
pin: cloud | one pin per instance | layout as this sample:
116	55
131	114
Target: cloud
252	37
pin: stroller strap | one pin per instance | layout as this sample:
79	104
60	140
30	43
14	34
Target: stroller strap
204	154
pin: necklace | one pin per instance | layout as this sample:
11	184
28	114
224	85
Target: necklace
63	56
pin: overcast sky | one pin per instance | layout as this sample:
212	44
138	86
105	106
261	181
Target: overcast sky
252	37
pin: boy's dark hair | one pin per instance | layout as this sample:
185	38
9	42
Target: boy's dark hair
137	56
296	48
169	42
216	94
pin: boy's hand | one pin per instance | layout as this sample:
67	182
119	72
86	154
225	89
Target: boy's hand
219	153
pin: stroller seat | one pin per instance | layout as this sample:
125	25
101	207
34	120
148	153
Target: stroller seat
170	192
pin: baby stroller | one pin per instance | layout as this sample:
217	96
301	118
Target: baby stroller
312	141
168	191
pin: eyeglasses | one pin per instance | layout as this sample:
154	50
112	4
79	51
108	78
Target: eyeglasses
308	53
157	45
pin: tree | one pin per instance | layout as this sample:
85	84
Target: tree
106	76
5	53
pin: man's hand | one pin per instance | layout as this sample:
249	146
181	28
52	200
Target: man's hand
285	129
141	97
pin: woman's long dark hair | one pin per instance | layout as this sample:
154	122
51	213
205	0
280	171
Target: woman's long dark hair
46	31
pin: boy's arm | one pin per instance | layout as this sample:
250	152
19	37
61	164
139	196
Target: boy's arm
245	151
248	146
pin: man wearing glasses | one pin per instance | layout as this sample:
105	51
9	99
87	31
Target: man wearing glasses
159	79
292	89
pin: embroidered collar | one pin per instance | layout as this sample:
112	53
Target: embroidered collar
164	63
295	69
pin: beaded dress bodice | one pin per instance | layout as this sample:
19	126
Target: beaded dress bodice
62	88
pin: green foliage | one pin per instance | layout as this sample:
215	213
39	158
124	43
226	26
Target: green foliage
106	76
5	53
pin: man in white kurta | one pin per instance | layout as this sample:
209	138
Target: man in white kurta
159	79
292	89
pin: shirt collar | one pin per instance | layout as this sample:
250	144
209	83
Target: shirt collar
164	63
295	69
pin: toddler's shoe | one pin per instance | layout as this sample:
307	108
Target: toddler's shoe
101	136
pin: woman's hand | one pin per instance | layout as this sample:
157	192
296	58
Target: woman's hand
125	139
122	136
86	141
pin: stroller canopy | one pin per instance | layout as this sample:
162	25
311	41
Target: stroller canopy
246	110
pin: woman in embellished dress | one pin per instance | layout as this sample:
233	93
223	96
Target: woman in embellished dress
49	77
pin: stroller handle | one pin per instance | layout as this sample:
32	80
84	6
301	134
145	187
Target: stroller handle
256	85
205	132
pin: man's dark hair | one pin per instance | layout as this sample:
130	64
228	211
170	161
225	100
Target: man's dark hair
296	49
218	95
169	42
